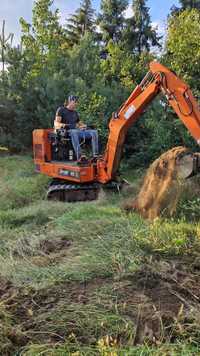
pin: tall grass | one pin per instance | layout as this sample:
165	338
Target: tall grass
106	249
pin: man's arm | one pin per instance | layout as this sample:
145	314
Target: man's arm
58	120
81	125
58	123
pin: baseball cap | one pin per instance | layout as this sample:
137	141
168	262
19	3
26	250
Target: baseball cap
72	98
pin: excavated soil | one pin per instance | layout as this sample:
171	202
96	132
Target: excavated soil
5	286
47	252
162	300
164	184
49	246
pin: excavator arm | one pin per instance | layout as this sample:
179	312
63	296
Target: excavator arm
180	98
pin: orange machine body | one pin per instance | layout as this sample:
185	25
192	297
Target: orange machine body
58	169
158	80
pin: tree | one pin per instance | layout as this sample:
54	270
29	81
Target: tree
139	33
185	4
182	46
111	19
30	91
182	56
44	39
81	22
119	66
45	26
190	4
4	44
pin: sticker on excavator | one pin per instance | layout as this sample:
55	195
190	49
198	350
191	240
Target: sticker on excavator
129	112
68	173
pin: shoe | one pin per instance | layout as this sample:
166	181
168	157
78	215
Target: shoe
94	158
82	159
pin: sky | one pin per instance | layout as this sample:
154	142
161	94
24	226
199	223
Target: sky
12	10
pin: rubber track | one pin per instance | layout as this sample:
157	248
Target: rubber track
58	188
69	187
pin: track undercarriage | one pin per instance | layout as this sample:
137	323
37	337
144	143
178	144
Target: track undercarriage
72	192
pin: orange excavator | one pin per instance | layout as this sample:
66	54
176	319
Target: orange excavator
80	181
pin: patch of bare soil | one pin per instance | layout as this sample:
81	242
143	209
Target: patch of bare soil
49	246
164	184
5	286
51	252
169	307
48	251
162	300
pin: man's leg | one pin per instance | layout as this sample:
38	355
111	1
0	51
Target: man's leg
93	134
95	142
75	142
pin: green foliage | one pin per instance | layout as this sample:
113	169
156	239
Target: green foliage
190	4
182	55
111	19
29	81
183	46
119	66
92	109
139	34
47	67
80	23
45	35
190	209
170	238
19	187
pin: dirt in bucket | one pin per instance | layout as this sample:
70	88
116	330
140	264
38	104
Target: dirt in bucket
163	184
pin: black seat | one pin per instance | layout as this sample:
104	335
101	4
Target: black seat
61	145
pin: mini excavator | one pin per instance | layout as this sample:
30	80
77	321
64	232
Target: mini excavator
80	181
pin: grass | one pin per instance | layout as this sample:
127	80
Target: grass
87	279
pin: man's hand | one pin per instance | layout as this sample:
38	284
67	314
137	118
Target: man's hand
82	126
59	125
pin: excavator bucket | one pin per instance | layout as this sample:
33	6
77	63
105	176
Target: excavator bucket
165	181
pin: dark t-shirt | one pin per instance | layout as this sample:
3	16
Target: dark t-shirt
69	117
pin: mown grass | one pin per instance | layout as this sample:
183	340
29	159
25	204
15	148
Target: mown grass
76	299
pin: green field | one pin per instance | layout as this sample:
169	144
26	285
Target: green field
87	279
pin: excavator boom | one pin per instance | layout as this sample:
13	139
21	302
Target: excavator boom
180	98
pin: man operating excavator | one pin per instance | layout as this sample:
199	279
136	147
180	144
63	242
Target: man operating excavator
80	182
67	117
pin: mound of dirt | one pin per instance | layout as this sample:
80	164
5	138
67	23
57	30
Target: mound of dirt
163	184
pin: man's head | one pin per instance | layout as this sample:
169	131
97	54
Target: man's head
72	102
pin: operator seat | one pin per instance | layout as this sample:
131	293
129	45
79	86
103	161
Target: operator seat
61	145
